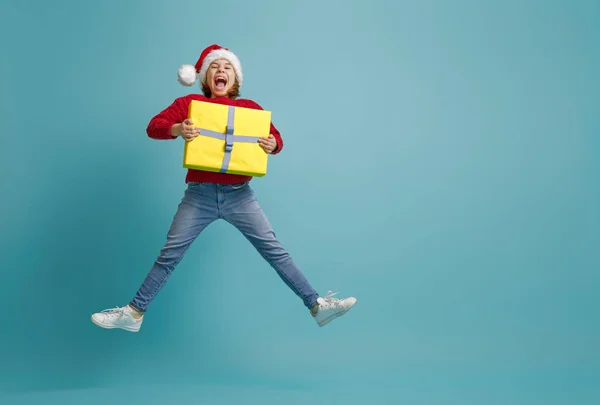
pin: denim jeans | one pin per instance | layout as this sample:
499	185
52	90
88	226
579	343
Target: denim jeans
204	203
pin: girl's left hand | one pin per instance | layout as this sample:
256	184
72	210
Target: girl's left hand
268	144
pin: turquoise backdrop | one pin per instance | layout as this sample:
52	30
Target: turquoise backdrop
441	164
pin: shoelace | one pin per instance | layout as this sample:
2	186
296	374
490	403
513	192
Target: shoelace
118	311
329	297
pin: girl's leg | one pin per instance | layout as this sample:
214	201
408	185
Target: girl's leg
241	209
195	212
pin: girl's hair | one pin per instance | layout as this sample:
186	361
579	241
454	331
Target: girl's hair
234	92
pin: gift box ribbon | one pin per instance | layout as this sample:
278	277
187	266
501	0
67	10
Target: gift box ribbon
228	137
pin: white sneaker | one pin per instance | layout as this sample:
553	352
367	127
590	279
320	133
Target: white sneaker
330	308
121	318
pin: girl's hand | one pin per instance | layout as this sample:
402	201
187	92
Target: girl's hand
188	130
268	144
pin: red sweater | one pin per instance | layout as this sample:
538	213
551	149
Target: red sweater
160	128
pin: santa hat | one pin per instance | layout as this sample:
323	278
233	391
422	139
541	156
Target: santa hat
187	73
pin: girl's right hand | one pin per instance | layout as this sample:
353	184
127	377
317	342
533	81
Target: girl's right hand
188	130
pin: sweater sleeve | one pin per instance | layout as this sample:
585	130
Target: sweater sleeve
160	125
274	131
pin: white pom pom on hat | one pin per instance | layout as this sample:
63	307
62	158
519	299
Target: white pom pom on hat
188	74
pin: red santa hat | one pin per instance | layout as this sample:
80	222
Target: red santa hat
188	73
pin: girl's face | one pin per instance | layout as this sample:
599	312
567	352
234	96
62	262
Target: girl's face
220	78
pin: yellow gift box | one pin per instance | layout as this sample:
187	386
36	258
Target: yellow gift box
228	140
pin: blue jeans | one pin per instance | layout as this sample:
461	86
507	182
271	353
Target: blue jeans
204	203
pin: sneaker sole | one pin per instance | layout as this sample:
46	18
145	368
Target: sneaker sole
334	316
126	328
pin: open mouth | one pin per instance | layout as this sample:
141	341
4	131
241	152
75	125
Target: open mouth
220	82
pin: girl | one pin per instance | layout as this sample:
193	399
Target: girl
211	196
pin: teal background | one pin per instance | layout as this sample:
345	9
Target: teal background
441	164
